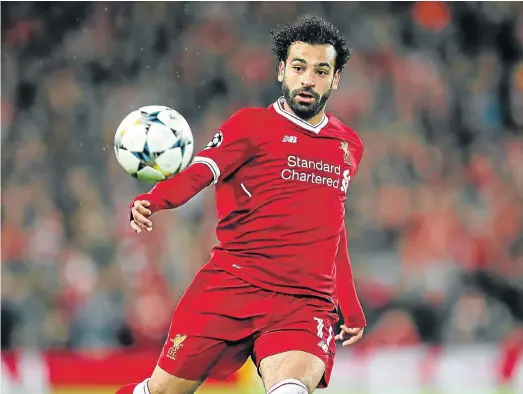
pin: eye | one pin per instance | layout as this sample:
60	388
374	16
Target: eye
323	73
298	68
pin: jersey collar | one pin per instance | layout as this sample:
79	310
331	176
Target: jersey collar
278	107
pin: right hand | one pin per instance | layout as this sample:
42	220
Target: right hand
349	336
140	214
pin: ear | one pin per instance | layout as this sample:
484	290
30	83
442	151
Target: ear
336	80
281	71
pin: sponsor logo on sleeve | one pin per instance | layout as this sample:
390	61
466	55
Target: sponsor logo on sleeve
216	141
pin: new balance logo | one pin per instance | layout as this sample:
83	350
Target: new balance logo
290	138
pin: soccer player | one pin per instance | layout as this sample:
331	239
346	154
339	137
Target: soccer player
281	268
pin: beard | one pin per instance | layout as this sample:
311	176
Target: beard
304	110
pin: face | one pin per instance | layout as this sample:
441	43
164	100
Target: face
308	77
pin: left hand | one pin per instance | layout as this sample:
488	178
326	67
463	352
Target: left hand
349	336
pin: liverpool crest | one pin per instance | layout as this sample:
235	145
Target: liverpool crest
344	146
177	344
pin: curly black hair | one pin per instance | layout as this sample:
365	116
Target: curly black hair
312	30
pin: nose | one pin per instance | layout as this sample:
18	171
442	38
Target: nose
308	79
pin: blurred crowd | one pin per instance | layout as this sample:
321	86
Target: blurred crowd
434	215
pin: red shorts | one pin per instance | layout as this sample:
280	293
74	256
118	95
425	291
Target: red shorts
222	320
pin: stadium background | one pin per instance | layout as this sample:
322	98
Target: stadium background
434	215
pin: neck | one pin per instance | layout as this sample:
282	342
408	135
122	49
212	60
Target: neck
315	120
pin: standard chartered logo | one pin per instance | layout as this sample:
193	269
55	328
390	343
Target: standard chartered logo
328	174
345	182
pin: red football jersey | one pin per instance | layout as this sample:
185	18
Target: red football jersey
281	184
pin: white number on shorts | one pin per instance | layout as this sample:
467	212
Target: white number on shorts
324	344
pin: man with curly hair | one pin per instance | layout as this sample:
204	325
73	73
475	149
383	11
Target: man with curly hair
281	269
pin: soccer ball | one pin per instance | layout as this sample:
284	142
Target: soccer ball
154	143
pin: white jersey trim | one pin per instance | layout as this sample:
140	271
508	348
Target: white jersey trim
278	107
209	163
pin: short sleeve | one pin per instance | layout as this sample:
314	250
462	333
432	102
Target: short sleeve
231	146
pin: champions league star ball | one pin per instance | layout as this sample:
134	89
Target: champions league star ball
154	143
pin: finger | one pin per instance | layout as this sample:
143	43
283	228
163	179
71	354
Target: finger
145	203
339	337
139	218
351	341
144	211
141	226
351	330
140	208
135	227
